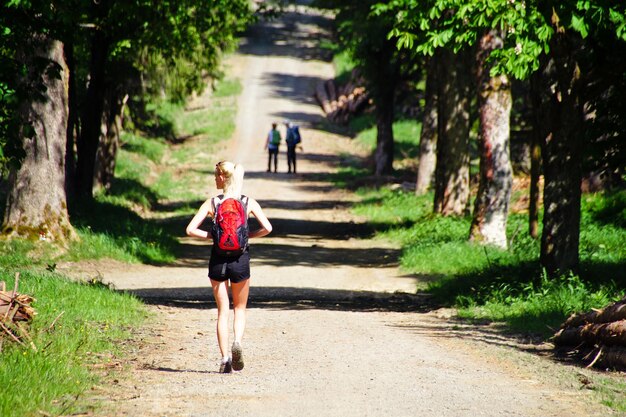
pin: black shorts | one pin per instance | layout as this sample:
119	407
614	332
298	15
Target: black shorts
235	269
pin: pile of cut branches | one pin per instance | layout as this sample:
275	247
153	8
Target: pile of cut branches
597	337
15	310
340	103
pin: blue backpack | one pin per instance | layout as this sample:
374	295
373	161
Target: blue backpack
294	135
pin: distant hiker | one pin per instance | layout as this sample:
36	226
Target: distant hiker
230	256
272	144
293	139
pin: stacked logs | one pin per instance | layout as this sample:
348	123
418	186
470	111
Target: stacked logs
339	103
598	337
15	309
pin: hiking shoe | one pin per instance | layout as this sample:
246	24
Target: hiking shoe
237	357
226	367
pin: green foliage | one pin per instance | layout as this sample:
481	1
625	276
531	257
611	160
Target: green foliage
502	285
607	208
153	148
77	324
152	49
363	37
228	87
529	26
406	134
109	229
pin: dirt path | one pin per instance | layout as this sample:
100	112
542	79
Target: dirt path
332	327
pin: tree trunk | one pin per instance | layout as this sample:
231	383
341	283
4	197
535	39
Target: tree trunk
37	204
73	127
539	132
562	159
428	135
109	142
612	333
384	124
491	207
535	176
92	117
453	126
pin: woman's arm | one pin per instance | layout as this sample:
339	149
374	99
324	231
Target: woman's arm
204	211
257	212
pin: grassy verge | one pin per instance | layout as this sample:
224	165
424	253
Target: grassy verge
77	326
81	327
488	284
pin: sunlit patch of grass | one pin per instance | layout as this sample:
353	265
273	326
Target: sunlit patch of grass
495	284
76	325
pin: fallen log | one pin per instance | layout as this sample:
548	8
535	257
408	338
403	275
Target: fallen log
611	357
322	97
597	337
611	334
331	90
15	308
613	312
341	102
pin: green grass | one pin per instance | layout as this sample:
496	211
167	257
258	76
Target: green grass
500	285
489	284
130	222
151	148
91	324
228	88
485	282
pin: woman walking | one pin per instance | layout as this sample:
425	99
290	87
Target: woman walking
229	264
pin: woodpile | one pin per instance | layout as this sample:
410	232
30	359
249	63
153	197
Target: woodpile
597	337
340	103
15	310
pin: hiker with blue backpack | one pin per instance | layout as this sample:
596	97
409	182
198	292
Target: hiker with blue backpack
272	143
293	139
230	254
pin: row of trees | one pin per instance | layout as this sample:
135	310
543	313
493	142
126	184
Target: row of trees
570	54
69	68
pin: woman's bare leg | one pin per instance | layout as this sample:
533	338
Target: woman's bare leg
240	301
220	292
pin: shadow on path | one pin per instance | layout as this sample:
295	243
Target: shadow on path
290	298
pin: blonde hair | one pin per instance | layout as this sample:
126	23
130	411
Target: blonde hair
233	177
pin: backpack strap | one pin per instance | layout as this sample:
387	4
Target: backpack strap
244	200
215	203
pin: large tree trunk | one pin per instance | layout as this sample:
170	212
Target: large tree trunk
87	145
491	207
109	141
384	124
540	131
562	158
453	126
36	204
73	127
428	135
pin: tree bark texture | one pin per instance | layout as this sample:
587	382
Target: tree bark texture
539	133
562	148
453	126
37	203
611	334
108	146
73	126
597	336
428	135
491	207
613	312
535	176
87	145
384	102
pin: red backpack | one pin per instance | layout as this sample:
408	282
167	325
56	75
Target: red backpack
230	227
